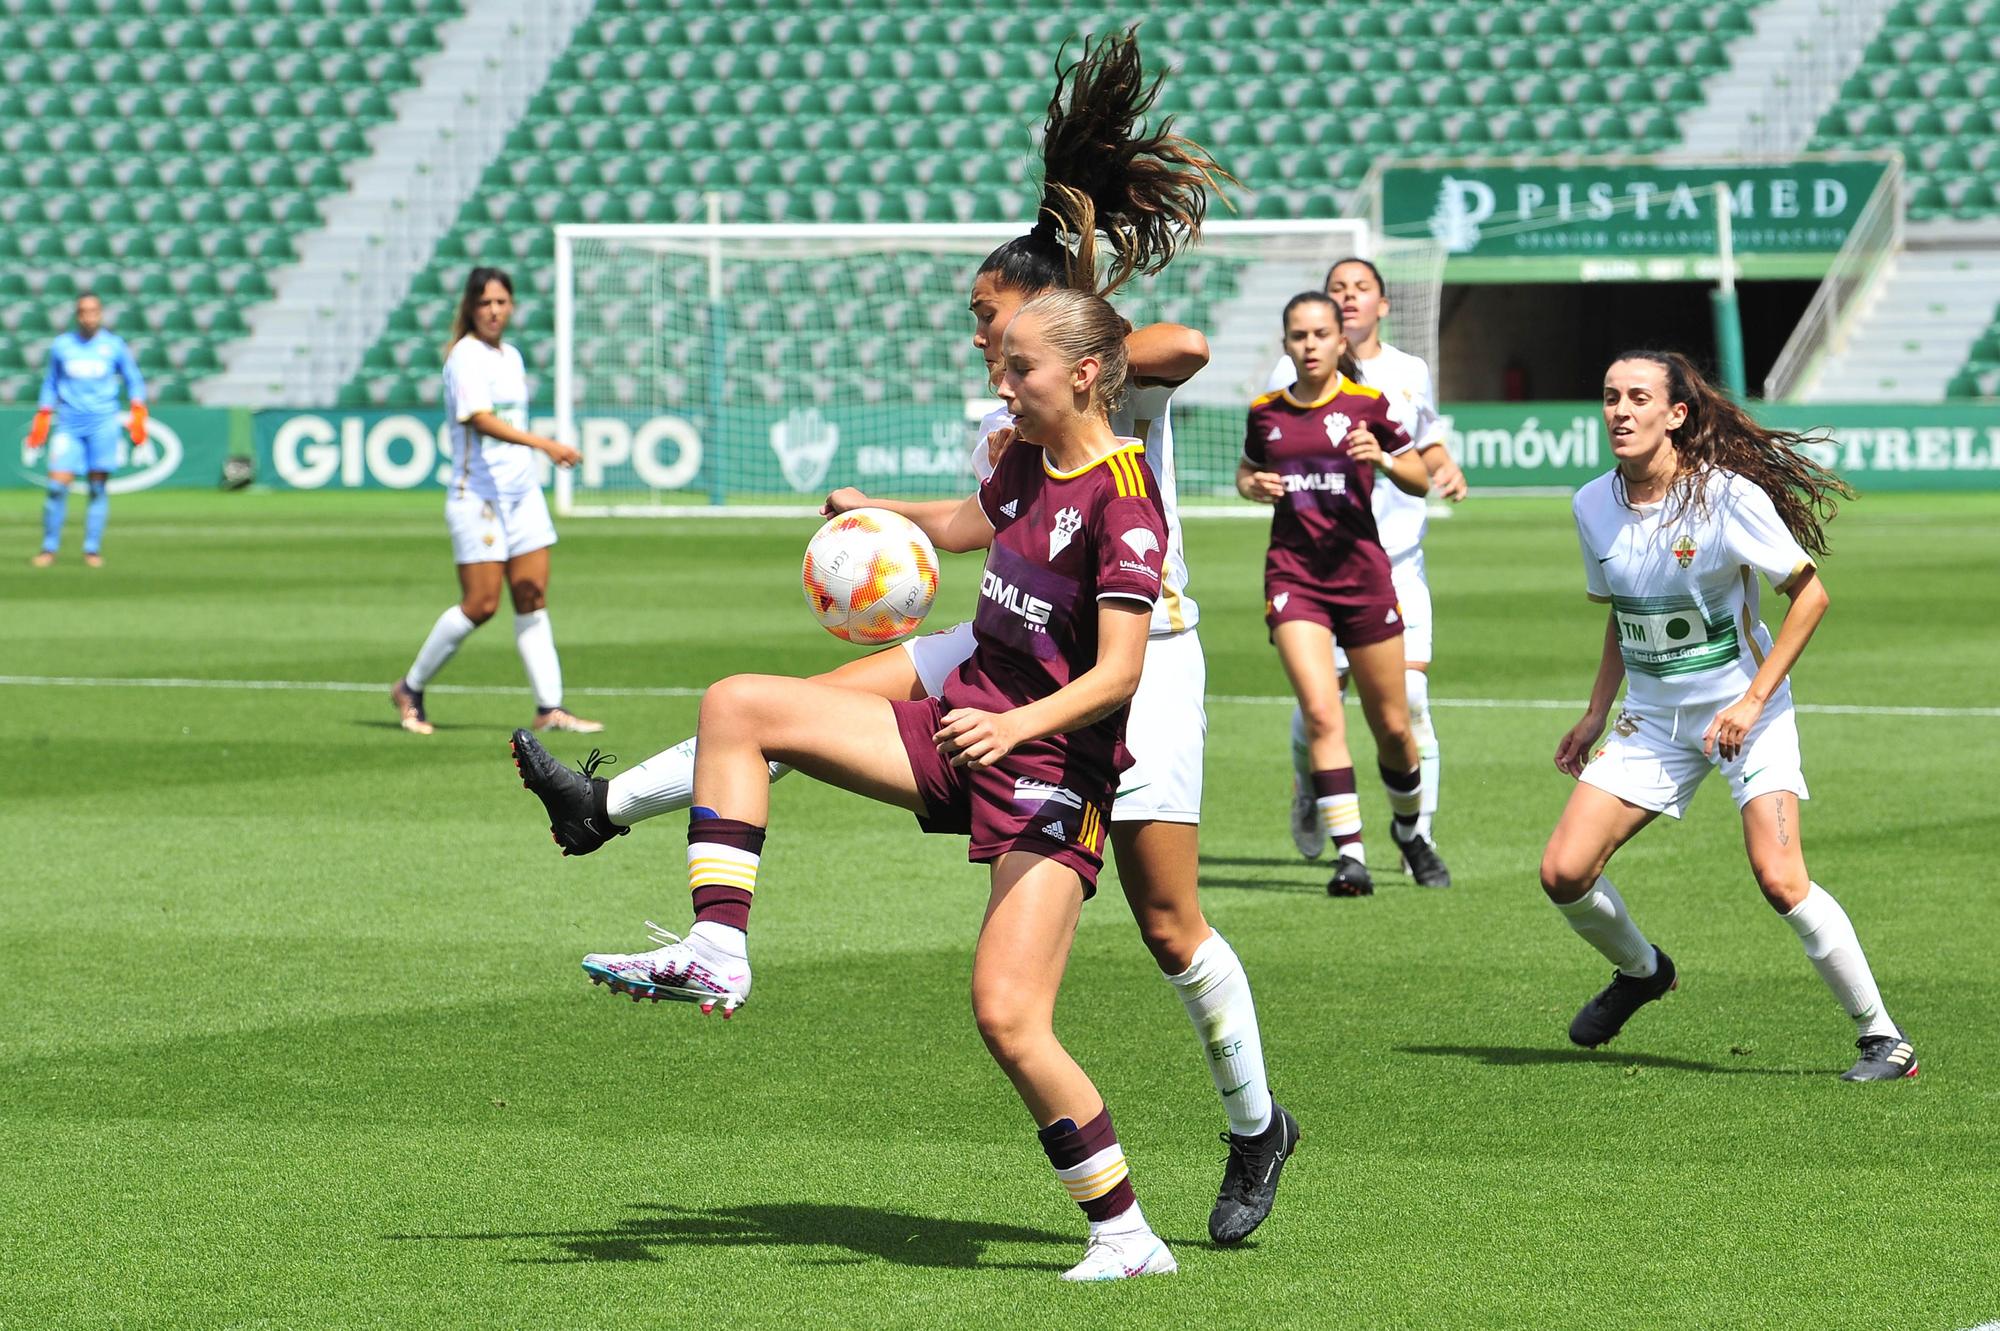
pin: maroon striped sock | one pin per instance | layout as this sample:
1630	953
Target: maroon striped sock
1339	806
1091	1165
722	868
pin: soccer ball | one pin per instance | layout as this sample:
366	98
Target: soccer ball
870	576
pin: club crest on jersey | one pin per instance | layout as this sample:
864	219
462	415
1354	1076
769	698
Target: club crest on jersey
1068	523
1684	550
1338	426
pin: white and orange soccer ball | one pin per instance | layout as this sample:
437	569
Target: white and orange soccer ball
870	576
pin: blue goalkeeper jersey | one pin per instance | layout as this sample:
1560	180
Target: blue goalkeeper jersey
83	379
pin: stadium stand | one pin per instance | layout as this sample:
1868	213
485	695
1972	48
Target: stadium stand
893	111
166	153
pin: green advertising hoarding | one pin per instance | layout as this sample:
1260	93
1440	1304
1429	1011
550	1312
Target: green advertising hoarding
1628	221
797	457
185	449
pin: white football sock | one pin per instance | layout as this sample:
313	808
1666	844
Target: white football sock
1828	936
1302	758
451	629
1128	1223
1601	920
536	639
1418	685
709	936
664	783
1216	993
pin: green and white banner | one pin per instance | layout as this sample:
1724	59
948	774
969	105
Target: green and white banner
1634	221
185	448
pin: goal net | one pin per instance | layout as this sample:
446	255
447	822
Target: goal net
729	368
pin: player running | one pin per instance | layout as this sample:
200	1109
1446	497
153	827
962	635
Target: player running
1146	194
499	521
1703	500
1022	751
1356	287
1312	451
80	396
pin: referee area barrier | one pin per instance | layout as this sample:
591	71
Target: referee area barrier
1501	446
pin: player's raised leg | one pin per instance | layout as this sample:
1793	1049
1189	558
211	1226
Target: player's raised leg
1771	836
1594	824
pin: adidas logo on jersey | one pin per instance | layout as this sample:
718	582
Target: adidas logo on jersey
1011	507
1391	619
1056	831
1275	434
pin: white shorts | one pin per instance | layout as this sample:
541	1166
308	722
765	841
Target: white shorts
1166	731
493	531
1413	599
1653	758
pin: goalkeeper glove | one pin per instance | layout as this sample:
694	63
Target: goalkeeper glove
38	432
137	428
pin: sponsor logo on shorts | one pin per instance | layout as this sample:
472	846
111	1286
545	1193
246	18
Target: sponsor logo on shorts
1028	791
1055	831
1279	601
1068	523
1010	508
1626	724
1391	619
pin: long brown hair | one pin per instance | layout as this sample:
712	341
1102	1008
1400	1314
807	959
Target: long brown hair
1719	434
1347	365
1145	193
468	299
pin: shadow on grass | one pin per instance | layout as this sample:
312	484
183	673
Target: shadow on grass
1259	861
863	1233
1504	1056
1272	884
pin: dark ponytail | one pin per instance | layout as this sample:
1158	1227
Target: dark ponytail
1719	434
1145	194
475	287
1347	365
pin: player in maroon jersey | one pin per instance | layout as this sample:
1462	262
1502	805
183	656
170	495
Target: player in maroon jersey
1312	451
1022	752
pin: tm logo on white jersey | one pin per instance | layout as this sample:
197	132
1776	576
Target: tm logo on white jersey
1010	508
1068	523
1142	541
1338	426
1001	592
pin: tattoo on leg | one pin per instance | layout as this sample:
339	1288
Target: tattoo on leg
1783	839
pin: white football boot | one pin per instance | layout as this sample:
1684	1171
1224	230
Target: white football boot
1121	1256
683	970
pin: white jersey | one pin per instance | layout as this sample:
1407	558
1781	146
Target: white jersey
1684	590
477	378
1400	518
1146	415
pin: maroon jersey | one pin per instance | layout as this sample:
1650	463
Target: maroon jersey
1063	541
1323	531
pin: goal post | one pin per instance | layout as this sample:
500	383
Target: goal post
739	369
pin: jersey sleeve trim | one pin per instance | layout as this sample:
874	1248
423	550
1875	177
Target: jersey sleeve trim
1140	597
1792	578
1594	598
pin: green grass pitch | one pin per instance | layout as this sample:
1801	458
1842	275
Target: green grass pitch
293	1032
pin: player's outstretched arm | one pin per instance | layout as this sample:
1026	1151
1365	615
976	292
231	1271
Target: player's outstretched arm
972	738
954	525
493	427
1165	353
1809	604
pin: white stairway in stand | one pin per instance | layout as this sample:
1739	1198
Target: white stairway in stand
1782	76
1922	318
329	306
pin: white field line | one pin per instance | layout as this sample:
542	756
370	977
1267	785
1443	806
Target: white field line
1228	699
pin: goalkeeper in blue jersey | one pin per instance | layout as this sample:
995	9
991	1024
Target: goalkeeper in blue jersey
80	396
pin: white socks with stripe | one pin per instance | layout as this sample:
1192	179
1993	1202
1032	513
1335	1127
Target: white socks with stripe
1601	920
451	629
1216	994
1828	937
536	639
664	783
1418	685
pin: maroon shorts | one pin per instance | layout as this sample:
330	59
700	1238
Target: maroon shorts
1354	623
1032	800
